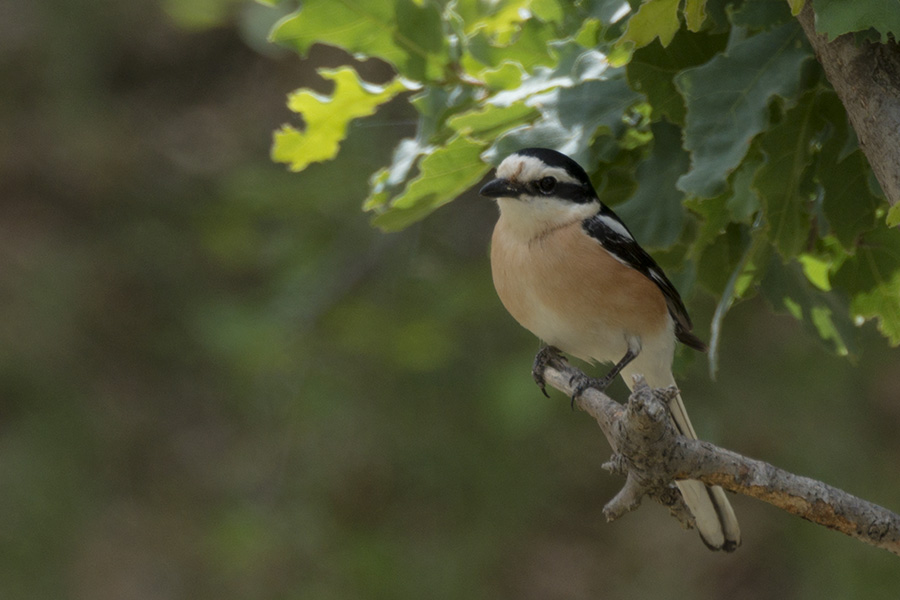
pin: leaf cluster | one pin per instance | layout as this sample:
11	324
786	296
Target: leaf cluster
707	123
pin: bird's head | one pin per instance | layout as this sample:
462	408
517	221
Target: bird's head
539	188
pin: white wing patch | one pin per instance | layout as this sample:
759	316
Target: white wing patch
615	226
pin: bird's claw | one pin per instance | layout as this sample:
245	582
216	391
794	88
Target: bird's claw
543	357
588	382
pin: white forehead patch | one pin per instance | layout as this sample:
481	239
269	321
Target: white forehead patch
522	169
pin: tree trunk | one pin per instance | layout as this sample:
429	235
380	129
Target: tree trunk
866	77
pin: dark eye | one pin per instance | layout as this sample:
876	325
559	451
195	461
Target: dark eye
547	185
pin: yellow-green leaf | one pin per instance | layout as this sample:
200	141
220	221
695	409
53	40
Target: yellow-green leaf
694	14
816	270
893	216
406	34
443	175
796	6
882	304
654	19
491	121
327	118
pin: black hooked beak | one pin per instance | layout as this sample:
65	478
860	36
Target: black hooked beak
500	188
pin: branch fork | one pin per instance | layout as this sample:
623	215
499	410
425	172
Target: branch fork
652	455
644	438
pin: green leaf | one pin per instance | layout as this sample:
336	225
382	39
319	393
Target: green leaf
443	175
694	14
591	104
530	48
652	70
883	305
575	64
719	259
714	219
761	14
589	34
727	102
741	277
435	104
743	202
327	118
617	185
578	98
837	17
408	35
548	132
796	6
654	19
489	122
872	277
740	205
507	76
817	270
784	182
571	118
549	11
893	216
824	314
655	214
848	203
499	20
874	265
385	182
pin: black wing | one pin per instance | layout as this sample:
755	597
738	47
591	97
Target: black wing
614	236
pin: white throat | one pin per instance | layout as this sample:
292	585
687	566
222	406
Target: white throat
533	216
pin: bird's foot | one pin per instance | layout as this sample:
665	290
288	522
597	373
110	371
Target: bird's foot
544	356
584	382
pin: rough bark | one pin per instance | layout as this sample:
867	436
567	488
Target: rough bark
651	455
866	77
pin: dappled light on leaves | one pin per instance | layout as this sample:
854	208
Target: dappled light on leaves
711	129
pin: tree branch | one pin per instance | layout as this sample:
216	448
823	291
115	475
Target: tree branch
652	455
866	77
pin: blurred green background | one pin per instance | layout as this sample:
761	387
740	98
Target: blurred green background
218	381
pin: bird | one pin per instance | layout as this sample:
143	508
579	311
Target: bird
569	270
